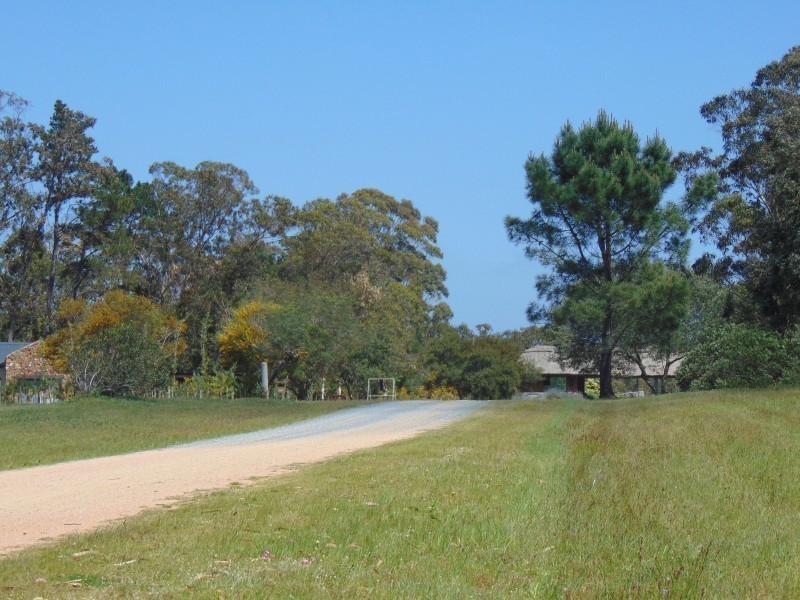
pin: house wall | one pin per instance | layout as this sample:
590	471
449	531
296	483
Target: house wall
28	363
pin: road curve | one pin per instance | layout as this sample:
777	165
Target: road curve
41	503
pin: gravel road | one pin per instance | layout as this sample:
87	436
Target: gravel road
41	503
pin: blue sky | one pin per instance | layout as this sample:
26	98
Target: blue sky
437	102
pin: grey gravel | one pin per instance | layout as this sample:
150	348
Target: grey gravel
372	416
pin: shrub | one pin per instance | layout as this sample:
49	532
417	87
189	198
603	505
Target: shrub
592	388
437	392
121	345
119	361
483	367
221	384
739	356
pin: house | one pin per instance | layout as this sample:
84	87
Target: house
9	349
568	378
23	361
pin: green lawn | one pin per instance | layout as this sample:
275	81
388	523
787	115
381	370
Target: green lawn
88	427
686	496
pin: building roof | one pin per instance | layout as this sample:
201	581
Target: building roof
7	348
548	361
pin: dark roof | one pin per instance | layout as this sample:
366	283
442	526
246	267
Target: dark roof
7	348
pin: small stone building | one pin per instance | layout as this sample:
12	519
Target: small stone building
24	360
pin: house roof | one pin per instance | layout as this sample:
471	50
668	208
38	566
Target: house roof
7	348
547	360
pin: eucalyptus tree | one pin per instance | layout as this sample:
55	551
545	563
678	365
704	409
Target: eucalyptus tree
203	240
599	223
21	241
369	235
755	185
16	160
379	248
193	215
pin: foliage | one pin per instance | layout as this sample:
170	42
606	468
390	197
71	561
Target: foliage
220	384
122	345
42	387
23	263
657	326
740	356
755	186
16	159
102	239
119	360
67	173
592	388
306	335
366	240
599	222
243	339
436	392
482	367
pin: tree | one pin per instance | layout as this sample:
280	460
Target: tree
123	344
23	282
243	341
486	366
16	160
101	243
660	336
21	239
755	186
737	355
66	172
119	361
368	235
203	241
192	218
599	222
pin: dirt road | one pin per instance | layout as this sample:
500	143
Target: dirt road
42	503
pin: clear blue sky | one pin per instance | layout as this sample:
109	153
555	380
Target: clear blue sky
437	102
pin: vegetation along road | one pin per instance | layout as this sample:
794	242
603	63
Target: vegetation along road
40	503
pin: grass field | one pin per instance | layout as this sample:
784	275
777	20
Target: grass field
88	427
686	496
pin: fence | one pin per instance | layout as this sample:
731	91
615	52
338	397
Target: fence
32	391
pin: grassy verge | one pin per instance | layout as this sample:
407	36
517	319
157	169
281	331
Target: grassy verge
88	427
687	496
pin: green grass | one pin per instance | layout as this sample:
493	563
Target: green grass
686	496
88	427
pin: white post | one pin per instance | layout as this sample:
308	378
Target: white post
323	388
265	379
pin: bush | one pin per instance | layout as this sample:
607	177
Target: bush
592	388
437	392
740	356
122	345
483	367
119	361
222	384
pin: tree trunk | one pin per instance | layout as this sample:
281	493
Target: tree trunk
606	389
51	280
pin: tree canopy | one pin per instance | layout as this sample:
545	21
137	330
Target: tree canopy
755	186
599	222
